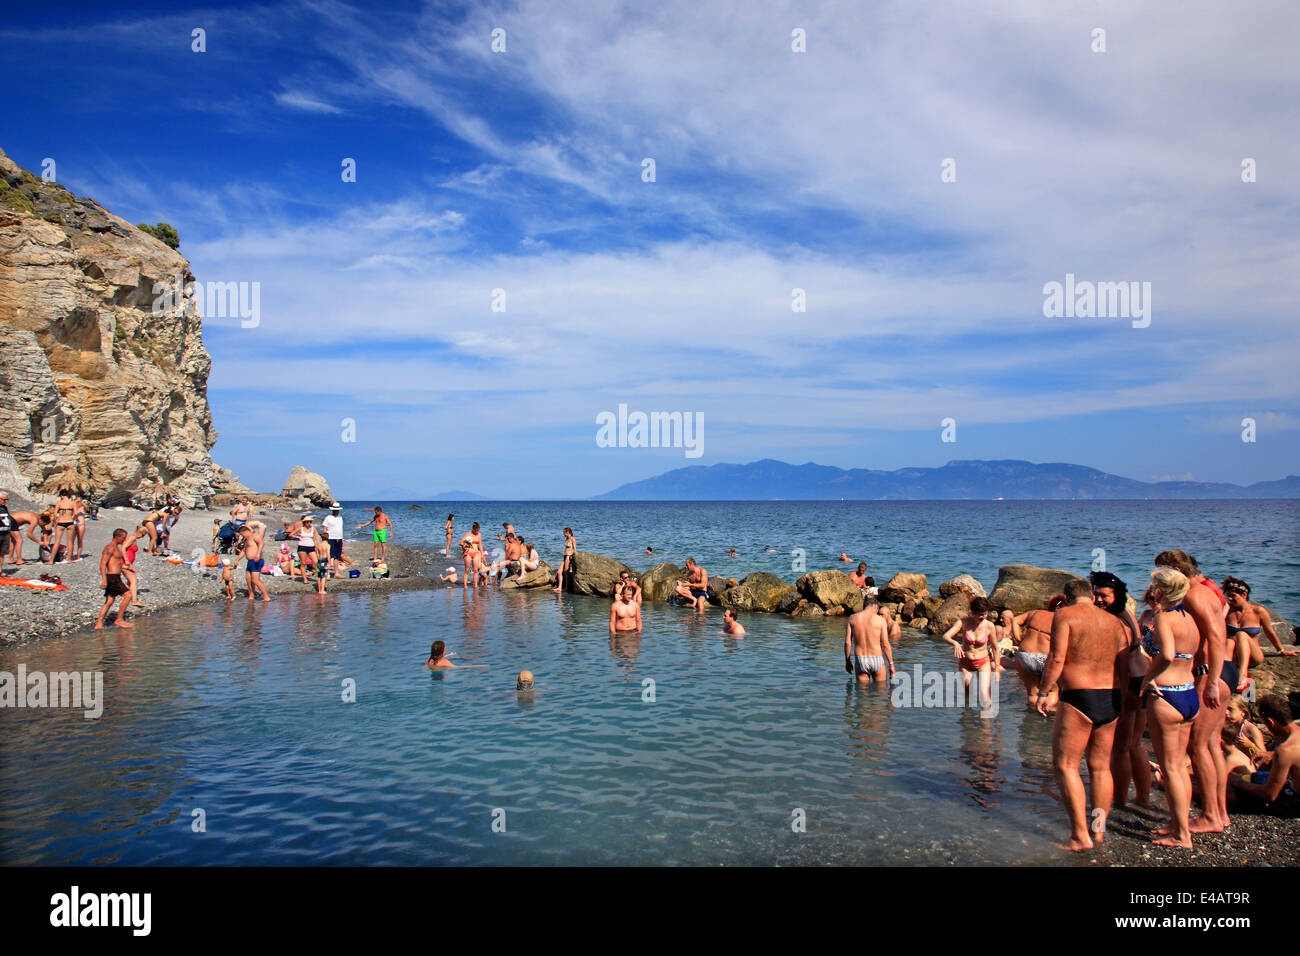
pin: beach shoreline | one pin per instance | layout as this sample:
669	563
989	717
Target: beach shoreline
28	615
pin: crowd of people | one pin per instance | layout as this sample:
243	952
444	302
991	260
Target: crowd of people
58	530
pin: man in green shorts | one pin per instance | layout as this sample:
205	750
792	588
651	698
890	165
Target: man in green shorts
383	528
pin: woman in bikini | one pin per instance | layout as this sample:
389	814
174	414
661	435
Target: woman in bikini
447	527
470	541
1245	622
150	525
570	549
528	561
65	511
1169	693
79	529
1032	648
974	652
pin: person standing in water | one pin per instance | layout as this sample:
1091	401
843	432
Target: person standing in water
1085	656
730	626
470	542
383	530
867	653
625	613
570	549
447	528
253	542
976	653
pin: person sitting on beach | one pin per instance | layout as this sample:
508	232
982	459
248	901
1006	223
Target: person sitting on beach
1086	644
449	576
730	626
867	653
975	651
110	579
1276	790
438	656
251	535
625	581
285	560
1245	736
625	613
383	530
1006	629
1245	622
859	578
566	565
696	586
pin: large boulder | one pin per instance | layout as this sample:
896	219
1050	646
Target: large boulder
789	601
1023	587
596	574
962	582
543	577
949	612
927	605
759	591
902	586
659	582
830	589
302	483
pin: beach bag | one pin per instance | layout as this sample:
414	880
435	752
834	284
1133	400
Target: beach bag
212	561
354	573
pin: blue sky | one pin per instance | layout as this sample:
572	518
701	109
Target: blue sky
775	170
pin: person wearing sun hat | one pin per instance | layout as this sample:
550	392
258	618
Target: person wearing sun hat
306	544
333	527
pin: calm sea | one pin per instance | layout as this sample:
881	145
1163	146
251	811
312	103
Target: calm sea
226	738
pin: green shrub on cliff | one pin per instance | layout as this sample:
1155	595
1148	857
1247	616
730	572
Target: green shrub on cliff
164	232
14	199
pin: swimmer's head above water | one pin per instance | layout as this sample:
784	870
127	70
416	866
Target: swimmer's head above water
525	681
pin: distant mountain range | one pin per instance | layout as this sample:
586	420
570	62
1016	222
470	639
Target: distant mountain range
769	479
400	493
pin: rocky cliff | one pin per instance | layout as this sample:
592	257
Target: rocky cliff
91	377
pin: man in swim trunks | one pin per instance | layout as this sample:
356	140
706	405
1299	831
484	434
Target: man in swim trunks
110	579
1210	768
625	613
696	586
251	535
1278	790
730	626
18	520
241	512
1085	658
867	654
383	530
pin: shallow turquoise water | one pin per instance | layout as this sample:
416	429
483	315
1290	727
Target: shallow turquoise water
237	711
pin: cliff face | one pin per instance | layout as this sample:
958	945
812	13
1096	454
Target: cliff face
90	377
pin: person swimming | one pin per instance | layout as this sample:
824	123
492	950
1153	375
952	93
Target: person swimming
438	656
525	681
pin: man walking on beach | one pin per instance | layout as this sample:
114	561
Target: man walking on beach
110	579
1085	658
867	654
696	586
1208	763
252	538
333	526
383	528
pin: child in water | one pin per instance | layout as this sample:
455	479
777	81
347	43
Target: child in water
227	581
438	656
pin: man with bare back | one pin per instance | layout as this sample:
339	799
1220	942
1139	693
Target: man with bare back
1208	763
1085	659
696	586
110	579
867	654
251	534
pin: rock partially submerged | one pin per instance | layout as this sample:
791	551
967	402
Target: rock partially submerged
543	577
595	574
1023	587
902	587
948	613
962	582
831	591
759	591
